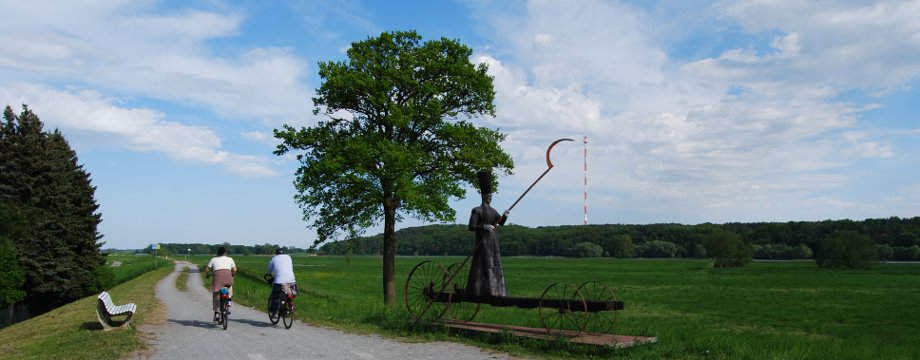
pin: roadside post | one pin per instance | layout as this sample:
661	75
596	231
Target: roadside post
156	260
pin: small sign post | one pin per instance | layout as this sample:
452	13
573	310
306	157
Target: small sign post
156	261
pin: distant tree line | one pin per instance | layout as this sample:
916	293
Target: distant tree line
179	249
49	243
893	239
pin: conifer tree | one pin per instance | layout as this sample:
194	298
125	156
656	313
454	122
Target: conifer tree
11	275
58	249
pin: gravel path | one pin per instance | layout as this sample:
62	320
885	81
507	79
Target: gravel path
190	333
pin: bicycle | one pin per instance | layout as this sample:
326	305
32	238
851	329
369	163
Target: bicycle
224	307
283	303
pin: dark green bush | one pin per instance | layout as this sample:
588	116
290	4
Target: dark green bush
846	249
586	249
656	249
727	249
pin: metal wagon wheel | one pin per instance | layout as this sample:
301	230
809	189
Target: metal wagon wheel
562	307
426	279
598	321
463	311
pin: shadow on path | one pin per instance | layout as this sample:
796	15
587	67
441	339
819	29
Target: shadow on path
195	323
253	322
211	324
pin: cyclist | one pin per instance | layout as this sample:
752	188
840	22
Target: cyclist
281	267
224	269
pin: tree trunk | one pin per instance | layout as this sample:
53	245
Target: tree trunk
389	251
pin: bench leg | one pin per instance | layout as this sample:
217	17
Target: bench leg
127	319
104	320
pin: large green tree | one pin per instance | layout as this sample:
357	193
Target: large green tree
58	248
397	139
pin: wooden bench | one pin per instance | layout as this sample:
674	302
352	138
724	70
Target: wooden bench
107	312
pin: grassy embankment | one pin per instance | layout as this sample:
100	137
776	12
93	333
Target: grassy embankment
72	331
132	266
766	310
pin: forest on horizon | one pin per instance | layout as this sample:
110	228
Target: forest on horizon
896	239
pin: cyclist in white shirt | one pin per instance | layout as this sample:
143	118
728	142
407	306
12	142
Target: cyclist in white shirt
224	268
281	266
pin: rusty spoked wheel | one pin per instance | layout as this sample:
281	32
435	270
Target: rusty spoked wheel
459	310
595	292
562	308
424	282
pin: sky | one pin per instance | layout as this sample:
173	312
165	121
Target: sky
695	111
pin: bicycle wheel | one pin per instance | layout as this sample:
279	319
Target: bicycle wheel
274	316
288	314
223	313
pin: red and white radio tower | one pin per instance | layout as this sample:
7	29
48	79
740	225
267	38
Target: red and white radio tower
586	180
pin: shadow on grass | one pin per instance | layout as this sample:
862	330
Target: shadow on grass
502	341
96	326
91	325
400	323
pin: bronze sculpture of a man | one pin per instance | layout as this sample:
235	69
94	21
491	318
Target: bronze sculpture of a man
486	273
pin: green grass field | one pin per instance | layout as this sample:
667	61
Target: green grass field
72	331
132	265
768	310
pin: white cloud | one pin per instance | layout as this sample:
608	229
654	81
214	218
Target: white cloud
256	135
850	44
866	148
139	50
101	122
788	46
746	127
543	40
135	47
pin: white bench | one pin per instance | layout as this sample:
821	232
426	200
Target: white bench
106	311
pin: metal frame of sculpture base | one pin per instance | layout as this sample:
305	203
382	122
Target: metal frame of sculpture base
613	340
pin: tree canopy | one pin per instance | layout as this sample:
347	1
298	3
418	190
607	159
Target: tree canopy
397	139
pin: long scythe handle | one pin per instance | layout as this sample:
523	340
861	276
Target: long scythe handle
549	166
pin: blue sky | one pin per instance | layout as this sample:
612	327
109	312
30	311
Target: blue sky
700	111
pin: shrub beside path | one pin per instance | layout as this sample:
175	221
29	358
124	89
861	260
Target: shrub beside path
188	332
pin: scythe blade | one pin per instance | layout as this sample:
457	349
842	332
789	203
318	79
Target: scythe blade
549	166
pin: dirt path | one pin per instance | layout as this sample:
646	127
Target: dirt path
190	333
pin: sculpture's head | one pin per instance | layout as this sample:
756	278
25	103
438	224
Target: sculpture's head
485	185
